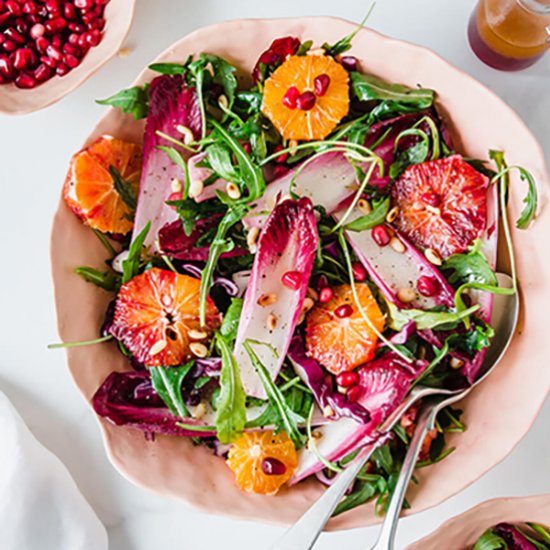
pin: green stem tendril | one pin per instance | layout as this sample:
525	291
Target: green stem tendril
82	343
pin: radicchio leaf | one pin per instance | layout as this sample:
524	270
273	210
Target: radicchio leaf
288	242
171	103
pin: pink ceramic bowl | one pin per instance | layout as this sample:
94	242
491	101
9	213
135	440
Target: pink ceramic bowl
498	413
17	101
461	532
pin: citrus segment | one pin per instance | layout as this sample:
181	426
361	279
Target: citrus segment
337	334
307	96
262	461
155	312
90	189
442	204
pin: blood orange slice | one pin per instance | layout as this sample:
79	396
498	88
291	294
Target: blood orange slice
90	189
307	96
337	334
442	204
262	461
154	314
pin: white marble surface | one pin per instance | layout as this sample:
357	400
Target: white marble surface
34	152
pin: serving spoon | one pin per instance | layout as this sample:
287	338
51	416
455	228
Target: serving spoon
305	532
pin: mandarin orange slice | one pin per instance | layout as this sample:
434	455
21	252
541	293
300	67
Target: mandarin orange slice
262	461
154	314
337	334
90	189
307	96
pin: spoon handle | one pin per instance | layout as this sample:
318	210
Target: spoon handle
386	535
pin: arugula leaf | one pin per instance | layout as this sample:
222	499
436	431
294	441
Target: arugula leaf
251	100
130	266
369	88
415	154
470	267
344	44
224	74
103	279
375	217
490	541
123	188
363	492
134	101
542	531
288	418
231	409
426	319
168	68
474	340
230	323
167	383
219	158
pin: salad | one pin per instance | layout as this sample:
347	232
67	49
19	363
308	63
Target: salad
505	536
290	252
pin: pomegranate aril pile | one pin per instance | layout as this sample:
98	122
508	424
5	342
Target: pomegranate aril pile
43	38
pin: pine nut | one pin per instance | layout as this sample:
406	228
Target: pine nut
222	102
209	68
271	321
157	347
328	411
196	188
316	51
124	52
308	304
313	294
317	434
364	206
197	334
292	145
187	133
267	299
252	237
406	295
433	210
456	363
301	318
198	349
232	189
392	214
176	185
433	256
397	245
199	411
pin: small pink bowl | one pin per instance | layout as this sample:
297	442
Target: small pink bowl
461	532
498	413
17	101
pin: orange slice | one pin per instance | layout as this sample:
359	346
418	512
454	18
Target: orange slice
154	314
337	334
89	188
262	461
324	86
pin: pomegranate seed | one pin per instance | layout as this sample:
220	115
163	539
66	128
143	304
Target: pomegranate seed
33	19
25	80
57	40
427	286
42	73
93	38
29	8
6	67
56	25
326	295
347	379
305	101
22	26
54	53
14	35
83	4
69	11
73	38
9	45
290	97
77	27
282	157
49	61
354	393
13	7
96	24
2	39
273	467
380	235
53	6
176	196
343	311
42	44
71	60
320	282
431	198
37	31
321	84
22	58
349	62
247	147
280	170
62	69
359	272
292	279
72	49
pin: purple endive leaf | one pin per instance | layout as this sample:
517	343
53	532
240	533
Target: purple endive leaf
128	399
287	243
171	103
320	384
384	382
513	537
177	245
199	174
231	288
